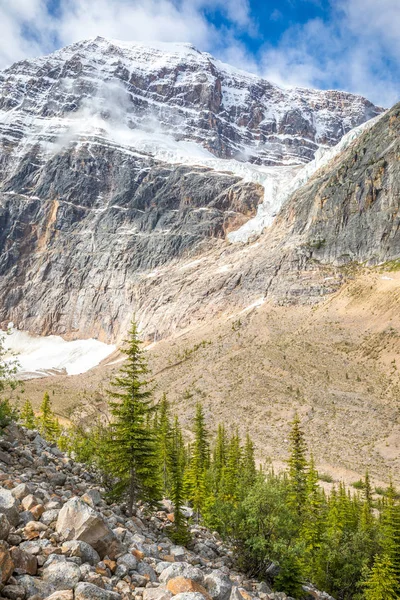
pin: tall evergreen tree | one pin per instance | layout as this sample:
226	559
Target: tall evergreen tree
132	444
219	454
381	582
47	422
367	520
312	527
391	531
176	468
164	434
27	416
233	469
297	466
249	470
195	478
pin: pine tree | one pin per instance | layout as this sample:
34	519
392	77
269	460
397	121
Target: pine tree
201	447
367	519
312	527
176	468
297	467
47	423
27	416
391	531
381	582
132	444
249	470
219	454
232	470
195	484
164	434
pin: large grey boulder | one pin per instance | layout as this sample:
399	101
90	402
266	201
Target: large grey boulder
128	560
218	585
21	490
182	569
78	521
50	516
61	595
34	586
156	594
13	592
5	527
82	550
9	506
89	591
189	596
62	575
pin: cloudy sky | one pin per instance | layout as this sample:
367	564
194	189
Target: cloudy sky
344	44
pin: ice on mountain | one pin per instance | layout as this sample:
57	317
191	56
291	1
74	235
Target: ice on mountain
279	189
36	355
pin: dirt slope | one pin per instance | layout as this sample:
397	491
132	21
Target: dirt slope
336	363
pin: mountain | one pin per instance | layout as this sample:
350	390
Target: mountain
172	89
124	167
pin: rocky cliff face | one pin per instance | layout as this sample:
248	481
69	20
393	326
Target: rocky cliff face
104	211
168	89
79	234
350	210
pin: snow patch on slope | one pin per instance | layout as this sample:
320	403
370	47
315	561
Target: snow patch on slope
37	356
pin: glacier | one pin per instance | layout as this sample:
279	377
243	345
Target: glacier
39	356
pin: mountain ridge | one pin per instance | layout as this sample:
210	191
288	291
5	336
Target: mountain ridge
95	229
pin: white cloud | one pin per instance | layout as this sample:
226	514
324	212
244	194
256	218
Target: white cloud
142	20
358	49
29	29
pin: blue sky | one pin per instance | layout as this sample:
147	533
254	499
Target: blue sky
342	44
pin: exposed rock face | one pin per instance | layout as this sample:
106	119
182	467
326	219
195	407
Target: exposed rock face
350	211
95	226
77	234
173	89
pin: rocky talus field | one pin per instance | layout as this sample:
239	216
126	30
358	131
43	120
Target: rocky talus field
60	540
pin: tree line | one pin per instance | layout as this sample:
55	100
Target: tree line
283	527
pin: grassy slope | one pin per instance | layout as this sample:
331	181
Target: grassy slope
337	364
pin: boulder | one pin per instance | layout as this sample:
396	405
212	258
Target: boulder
5	527
82	550
21	490
182	569
50	516
9	506
78	521
317	594
34	586
218	585
179	585
178	552
92	497
6	564
13	592
128	560
89	591
33	529
29	502
147	571
189	596
25	563
62	575
156	594
5	458
61	595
